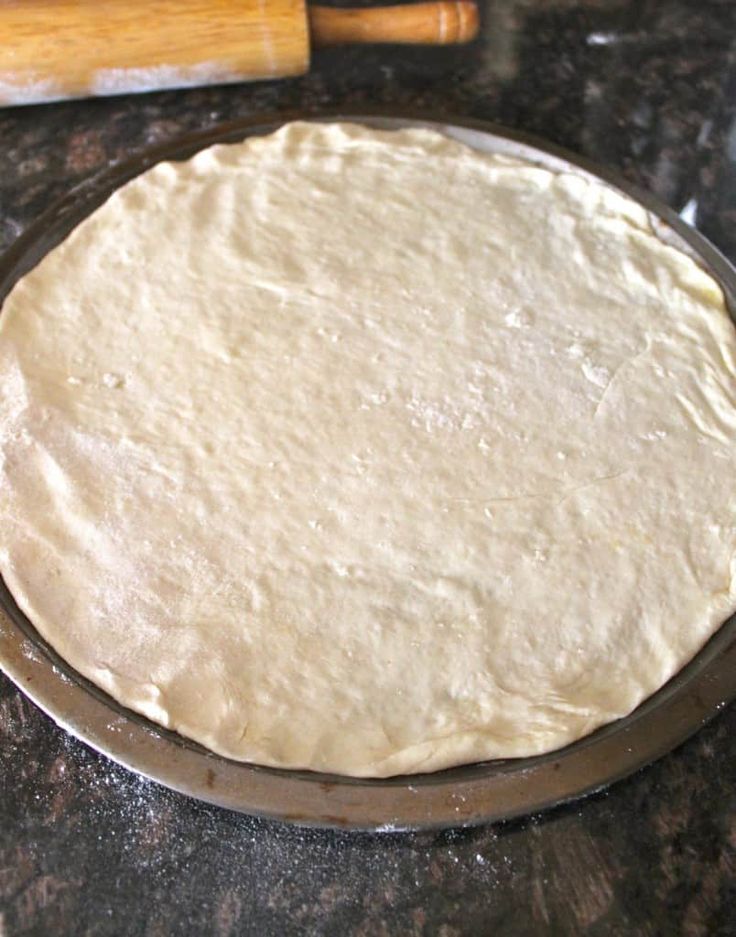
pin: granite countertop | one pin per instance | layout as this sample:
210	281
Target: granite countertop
88	848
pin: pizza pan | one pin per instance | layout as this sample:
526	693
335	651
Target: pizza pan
461	796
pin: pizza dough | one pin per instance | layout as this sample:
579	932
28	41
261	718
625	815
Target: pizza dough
365	452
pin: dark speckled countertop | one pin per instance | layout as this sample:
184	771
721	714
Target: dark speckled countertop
86	848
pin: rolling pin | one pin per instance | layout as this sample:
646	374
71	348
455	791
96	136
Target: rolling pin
54	49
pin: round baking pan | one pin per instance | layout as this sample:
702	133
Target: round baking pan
461	796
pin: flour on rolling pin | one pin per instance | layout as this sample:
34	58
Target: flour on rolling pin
139	80
30	89
50	51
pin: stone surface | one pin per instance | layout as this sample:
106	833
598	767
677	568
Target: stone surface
87	848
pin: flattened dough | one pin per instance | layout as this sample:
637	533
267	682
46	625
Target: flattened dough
365	452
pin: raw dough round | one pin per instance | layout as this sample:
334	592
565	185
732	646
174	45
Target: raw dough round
365	452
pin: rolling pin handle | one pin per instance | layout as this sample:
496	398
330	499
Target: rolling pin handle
445	22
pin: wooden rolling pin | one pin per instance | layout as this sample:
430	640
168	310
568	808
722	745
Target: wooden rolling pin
53	49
